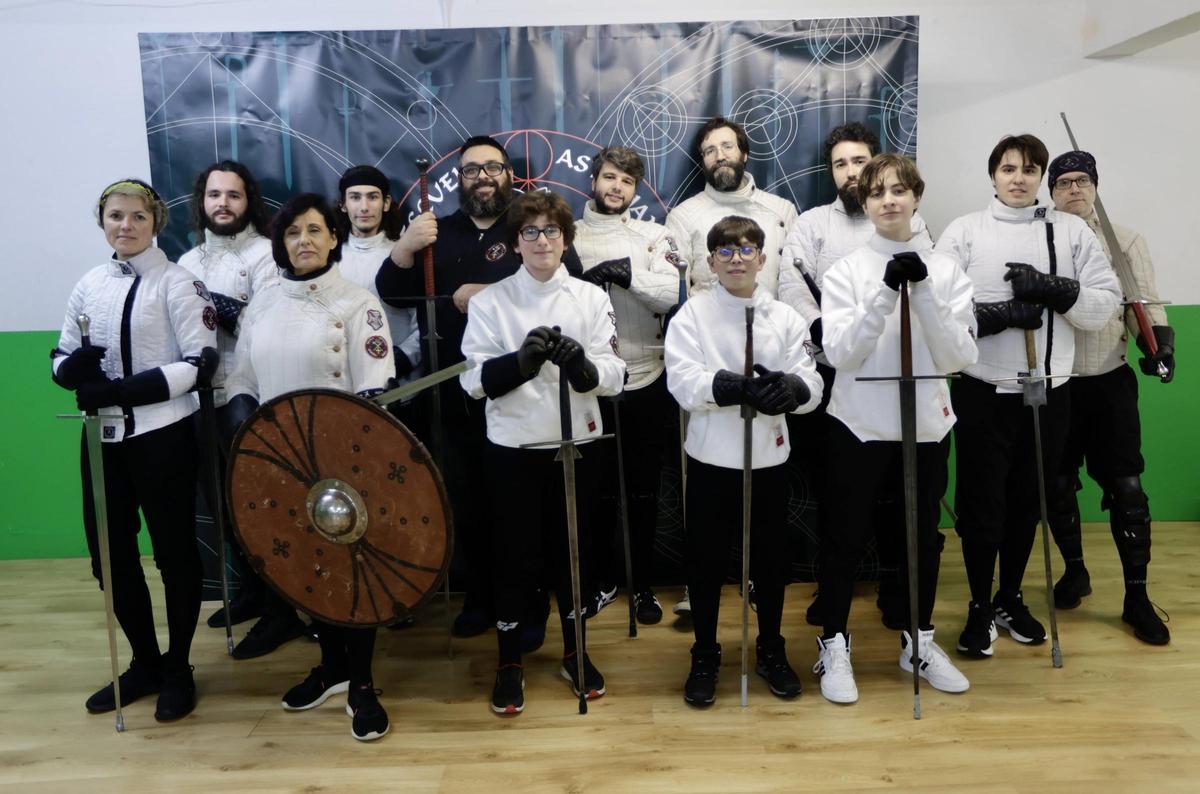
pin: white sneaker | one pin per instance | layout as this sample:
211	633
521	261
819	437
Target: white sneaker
837	675
936	667
684	605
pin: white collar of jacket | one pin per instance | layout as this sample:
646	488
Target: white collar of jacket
726	299
313	287
224	242
744	192
379	240
888	247
138	265
1002	212
528	283
602	220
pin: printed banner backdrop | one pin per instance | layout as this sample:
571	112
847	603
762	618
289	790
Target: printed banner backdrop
299	108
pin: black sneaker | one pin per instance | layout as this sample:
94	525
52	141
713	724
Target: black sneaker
316	689
772	665
605	595
700	689
471	622
370	720
533	628
977	638
267	635
136	682
1069	590
593	682
241	609
893	606
1014	616
646	605
815	616
508	695
1139	613
178	696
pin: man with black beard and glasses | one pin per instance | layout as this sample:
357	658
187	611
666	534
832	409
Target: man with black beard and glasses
470	251
724	149
234	262
628	258
820	237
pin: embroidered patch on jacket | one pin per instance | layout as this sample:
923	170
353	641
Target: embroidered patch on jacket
615	345
202	290
377	347
496	251
110	431
210	317
374	319
1039	213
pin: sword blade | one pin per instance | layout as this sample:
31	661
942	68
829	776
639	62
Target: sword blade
623	501
208	421
568	453
908	452
747	481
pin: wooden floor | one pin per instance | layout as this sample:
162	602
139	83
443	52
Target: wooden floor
1120	716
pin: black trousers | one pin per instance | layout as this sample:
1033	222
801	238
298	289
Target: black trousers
714	504
466	482
346	651
860	473
645	413
156	474
529	535
996	487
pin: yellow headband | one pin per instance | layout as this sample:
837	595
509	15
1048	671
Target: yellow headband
144	189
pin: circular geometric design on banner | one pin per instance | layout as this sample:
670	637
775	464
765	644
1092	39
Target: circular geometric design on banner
422	115
900	120
844	42
770	122
652	120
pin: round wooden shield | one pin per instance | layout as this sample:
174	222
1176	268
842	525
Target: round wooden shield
339	507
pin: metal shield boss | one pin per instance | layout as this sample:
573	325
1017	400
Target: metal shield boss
339	507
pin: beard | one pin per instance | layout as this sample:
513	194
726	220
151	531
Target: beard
604	209
235	226
492	207
725	177
848	193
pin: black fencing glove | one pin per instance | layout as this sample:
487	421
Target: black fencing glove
82	366
904	266
730	388
775	392
1164	336
993	318
1032	285
404	365
502	374
570	356
535	350
614	271
143	388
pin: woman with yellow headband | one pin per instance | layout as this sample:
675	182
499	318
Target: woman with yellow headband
149	321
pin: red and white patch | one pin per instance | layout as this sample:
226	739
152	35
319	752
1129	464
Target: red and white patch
377	347
615	345
374	319
202	290
496	252
209	316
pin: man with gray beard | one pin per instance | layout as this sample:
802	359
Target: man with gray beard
470	252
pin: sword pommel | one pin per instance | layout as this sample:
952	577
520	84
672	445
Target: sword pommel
422	164
85	326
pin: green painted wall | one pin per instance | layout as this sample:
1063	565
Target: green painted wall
40	502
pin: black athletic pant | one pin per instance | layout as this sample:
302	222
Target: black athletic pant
346	651
465	437
529	540
645	413
996	488
156	473
714	504
860	473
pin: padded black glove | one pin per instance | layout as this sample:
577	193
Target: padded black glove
775	392
730	388
535	350
1164	336
993	318
613	271
143	388
82	366
904	266
570	356
404	365
1032	285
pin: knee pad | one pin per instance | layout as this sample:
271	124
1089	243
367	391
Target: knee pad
1063	506
1129	517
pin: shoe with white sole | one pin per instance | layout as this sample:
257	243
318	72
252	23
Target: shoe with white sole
936	667
837	674
684	605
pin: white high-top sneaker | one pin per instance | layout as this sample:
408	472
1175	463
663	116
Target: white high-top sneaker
837	676
684	605
936	667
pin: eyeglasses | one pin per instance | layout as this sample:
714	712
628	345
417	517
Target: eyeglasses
725	254
1065	184
726	148
530	233
491	168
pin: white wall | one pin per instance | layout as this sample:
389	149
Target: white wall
74	115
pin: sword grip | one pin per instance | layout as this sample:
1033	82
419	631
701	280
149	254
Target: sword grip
427	254
85	341
1030	350
564	404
